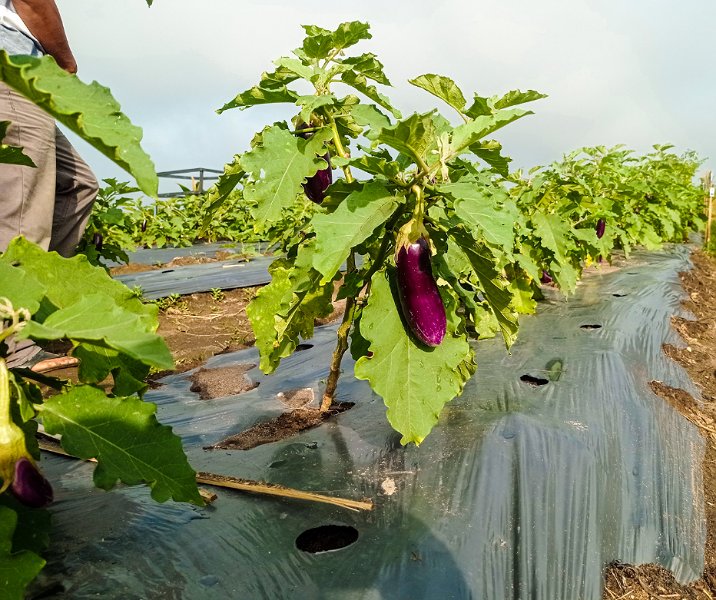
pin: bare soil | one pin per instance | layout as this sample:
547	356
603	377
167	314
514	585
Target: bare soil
650	582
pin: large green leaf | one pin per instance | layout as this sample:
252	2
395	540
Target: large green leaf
17	570
487	209
442	87
279	165
355	219
96	318
284	311
219	192
495	288
469	133
123	434
88	110
23	290
368	65
415	382
12	155
414	136
68	280
359	82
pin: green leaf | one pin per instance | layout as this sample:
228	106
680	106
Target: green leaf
96	318
359	82
469	133
283	311
295	66
494	287
491	153
68	280
489	210
320	42
123	434
414	382
88	110
479	107
353	222
370	164
17	570
367	115
219	192
368	65
442	87
516	97
23	290
98	362
414	136
12	155
554	234
260	95
33	528
279	166
310	103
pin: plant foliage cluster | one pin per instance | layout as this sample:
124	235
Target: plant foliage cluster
493	235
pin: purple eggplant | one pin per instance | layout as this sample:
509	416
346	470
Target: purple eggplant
316	186
601	225
546	277
420	299
97	241
29	486
144	226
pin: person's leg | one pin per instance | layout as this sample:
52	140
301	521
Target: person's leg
27	194
75	193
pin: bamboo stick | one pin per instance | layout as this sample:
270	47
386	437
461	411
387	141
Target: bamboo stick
50	444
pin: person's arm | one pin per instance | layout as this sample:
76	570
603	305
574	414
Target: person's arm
44	22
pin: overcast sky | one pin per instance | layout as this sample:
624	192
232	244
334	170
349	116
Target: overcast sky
636	72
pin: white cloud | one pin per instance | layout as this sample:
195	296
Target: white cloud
636	72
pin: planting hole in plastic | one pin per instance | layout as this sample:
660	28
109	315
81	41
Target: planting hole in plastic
534	381
590	326
303	347
326	538
619	295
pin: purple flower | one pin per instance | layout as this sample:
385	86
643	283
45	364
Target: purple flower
29	486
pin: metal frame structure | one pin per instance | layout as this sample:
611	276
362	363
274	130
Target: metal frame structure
197	176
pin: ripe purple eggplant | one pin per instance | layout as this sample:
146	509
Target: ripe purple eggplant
316	186
601	225
420	299
144	226
29	486
97	241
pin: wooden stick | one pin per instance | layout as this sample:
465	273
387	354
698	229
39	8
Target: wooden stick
272	489
50	444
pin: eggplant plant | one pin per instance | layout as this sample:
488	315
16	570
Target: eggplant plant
411	191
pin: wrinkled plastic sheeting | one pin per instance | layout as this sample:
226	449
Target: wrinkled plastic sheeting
189	279
521	491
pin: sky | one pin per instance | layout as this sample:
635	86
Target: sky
635	72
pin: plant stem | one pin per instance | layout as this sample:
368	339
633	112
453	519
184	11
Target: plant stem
340	350
341	150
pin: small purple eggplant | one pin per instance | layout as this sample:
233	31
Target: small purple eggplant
601	225
546	277
420	299
144	226
97	240
316	186
29	486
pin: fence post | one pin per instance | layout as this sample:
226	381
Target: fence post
709	197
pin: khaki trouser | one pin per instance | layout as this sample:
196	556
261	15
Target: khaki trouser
51	204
